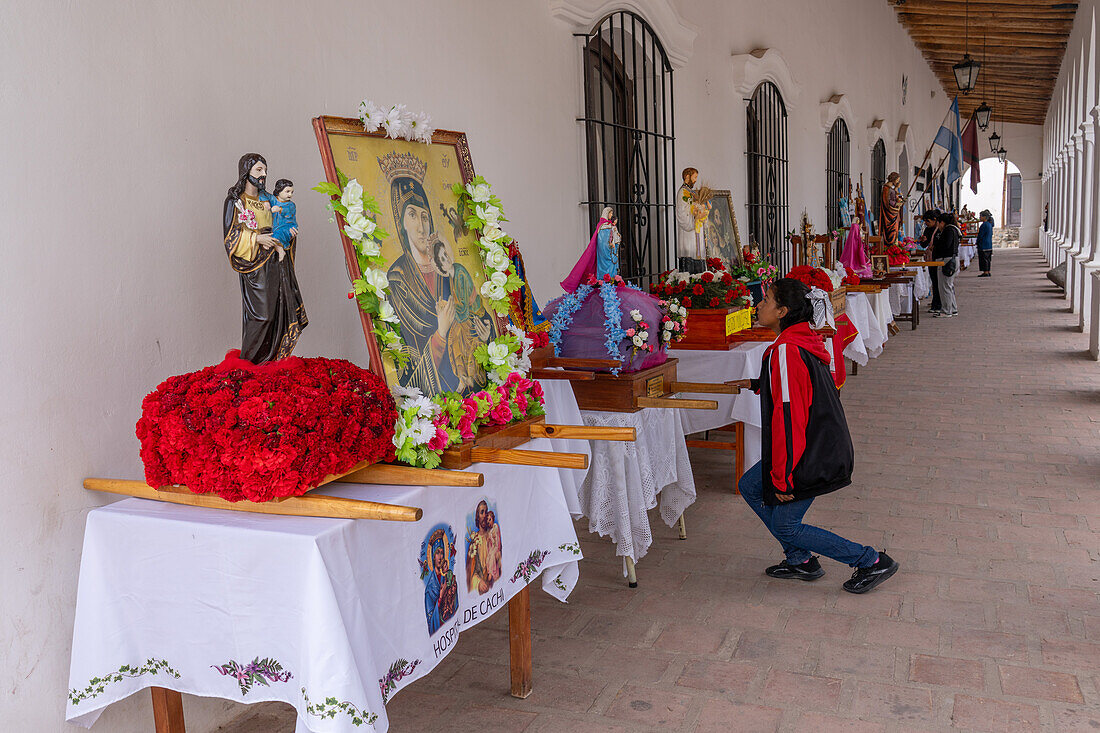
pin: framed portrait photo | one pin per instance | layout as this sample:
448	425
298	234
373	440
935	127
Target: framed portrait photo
433	264
880	265
720	233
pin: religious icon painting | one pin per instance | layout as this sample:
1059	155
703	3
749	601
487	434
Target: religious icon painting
720	233
483	550
437	559
433	264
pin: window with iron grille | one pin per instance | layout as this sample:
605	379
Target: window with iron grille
629	140
767	153
878	179
837	155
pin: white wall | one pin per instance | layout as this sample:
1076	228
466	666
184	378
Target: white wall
123	122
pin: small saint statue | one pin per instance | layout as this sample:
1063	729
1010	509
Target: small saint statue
692	209
273	315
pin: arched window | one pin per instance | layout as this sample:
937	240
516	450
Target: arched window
767	165
837	154
629	136
878	178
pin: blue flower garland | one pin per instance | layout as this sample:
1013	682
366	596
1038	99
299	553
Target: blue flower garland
612	314
563	318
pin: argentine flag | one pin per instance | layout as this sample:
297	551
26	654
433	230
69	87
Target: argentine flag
949	138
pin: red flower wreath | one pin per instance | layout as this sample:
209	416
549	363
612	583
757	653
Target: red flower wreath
244	431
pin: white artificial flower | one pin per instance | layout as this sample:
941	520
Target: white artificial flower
478	192
376	279
370	248
644	335
358	223
667	335
371	115
423	406
397	122
386	312
488	213
402	434
496	259
492	291
492	233
422	128
405	393
498	352
638	340
499	278
636	315
668	325
352	196
422	431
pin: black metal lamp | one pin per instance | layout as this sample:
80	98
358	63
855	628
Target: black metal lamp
984	111
994	142
966	71
982	115
1002	155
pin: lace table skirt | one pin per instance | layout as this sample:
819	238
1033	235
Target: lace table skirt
626	480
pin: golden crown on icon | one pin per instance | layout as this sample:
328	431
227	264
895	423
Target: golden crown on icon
402	165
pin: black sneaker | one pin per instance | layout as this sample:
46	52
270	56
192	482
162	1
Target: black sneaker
809	570
864	579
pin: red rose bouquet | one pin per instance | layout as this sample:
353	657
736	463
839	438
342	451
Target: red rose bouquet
897	256
815	277
243	431
713	288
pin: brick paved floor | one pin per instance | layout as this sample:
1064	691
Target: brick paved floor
977	467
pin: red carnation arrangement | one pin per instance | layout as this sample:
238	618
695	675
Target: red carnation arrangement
243	431
812	276
850	277
539	339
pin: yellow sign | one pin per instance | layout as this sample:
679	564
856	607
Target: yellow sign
655	386
739	320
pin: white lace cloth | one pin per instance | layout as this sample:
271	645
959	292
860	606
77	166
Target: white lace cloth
901	294
561	409
626	480
967	252
868	344
740	362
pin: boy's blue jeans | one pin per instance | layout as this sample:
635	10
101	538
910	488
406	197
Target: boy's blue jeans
800	540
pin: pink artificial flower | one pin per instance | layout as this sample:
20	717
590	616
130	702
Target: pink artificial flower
501	414
630	332
536	391
440	440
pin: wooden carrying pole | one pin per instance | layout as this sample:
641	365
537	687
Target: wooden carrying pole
515	457
668	401
388	474
582	432
704	388
309	505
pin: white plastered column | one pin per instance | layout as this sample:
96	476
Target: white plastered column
1082	199
1083	250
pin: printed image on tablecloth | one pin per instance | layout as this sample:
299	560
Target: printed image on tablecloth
437	554
483	549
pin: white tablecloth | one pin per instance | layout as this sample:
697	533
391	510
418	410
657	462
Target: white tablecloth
740	362
626	480
868	344
880	305
561	409
901	294
967	252
328	615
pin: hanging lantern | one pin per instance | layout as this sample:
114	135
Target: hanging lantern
966	74
966	71
994	142
1002	155
982	115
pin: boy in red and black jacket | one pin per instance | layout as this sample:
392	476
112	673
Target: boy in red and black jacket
807	450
